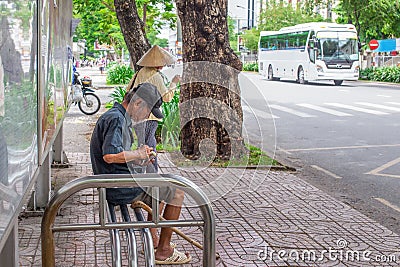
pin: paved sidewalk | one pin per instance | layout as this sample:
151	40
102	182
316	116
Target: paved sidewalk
259	214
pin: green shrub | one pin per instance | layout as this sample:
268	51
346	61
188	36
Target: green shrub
117	96
367	74
111	64
169	128
250	66
381	74
119	74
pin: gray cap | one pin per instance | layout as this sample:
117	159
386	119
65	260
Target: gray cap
149	93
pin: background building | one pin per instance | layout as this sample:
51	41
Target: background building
247	12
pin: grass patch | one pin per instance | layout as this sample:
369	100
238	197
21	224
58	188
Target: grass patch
255	157
167	148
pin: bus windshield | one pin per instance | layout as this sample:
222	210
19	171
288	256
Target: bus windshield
337	46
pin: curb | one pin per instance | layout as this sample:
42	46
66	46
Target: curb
264	167
104	87
384	83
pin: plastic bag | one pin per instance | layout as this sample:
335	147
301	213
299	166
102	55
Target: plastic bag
77	94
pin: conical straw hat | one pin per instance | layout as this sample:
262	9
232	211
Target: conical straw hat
156	57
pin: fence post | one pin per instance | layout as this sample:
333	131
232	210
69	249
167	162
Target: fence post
43	184
9	253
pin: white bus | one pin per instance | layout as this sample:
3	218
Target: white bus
310	52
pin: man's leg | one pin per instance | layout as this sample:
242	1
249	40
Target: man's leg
153	231
171	212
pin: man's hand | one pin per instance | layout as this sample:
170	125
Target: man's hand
141	154
176	79
151	155
144	152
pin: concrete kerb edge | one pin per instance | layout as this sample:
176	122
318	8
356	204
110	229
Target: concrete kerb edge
265	167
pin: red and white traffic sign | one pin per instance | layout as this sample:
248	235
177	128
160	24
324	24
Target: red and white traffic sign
373	44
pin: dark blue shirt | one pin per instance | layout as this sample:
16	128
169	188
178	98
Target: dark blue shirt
112	135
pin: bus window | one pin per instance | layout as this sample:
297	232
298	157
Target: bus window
339	45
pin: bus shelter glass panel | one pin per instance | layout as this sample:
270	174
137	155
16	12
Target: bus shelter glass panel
18	104
56	56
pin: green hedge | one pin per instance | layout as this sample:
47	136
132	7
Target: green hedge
382	74
250	66
169	128
119	74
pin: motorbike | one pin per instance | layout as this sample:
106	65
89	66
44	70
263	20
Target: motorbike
83	95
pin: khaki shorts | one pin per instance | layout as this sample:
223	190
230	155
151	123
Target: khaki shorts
166	194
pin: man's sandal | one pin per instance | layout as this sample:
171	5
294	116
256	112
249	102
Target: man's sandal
176	258
173	245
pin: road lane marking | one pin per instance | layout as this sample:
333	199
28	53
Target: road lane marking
326	110
387	203
259	113
378	170
393	103
340	147
326	172
291	111
284	151
370	111
386	175
387	96
378	106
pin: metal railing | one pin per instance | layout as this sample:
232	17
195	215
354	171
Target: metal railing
386	61
115	239
121	180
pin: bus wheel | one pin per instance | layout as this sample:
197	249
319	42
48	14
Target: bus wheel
300	76
338	82
270	75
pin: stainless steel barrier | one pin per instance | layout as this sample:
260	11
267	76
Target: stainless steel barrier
131	239
108	181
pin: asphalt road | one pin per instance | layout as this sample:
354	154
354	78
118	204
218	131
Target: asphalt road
343	139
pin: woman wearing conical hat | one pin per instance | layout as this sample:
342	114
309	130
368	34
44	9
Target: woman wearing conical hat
152	62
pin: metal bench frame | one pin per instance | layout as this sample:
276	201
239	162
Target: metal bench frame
115	239
145	180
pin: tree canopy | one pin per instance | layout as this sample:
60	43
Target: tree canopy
275	16
250	38
374	19
99	21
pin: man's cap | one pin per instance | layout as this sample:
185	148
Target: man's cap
156	57
149	93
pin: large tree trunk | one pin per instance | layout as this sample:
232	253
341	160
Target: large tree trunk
133	29
210	107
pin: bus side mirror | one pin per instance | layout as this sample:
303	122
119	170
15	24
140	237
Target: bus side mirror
359	47
316	41
315	54
316	44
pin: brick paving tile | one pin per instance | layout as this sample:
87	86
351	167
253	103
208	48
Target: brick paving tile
263	218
